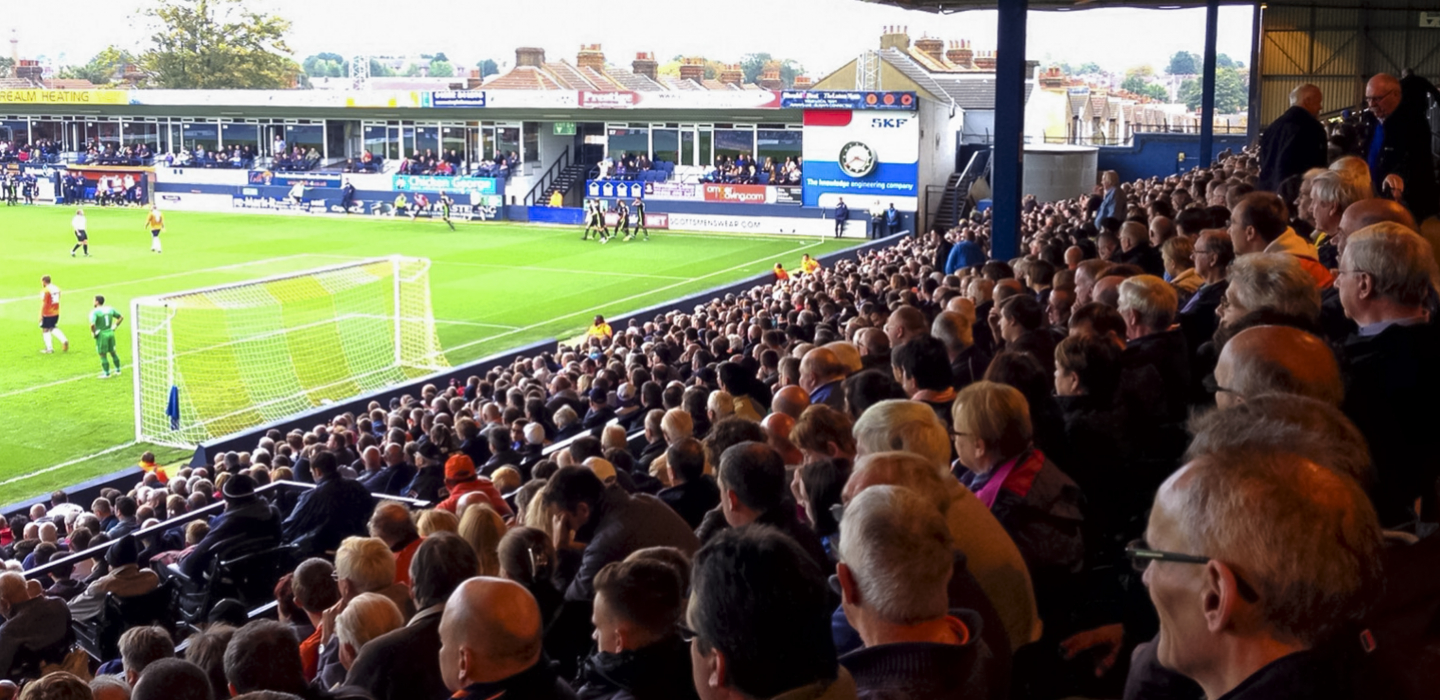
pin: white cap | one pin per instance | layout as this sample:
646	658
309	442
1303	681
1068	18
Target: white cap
534	433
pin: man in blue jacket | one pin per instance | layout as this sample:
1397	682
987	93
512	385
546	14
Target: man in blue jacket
965	254
842	215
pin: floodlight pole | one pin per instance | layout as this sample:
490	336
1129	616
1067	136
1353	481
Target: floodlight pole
1007	180
1207	100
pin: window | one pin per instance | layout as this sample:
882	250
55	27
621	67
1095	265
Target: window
452	138
105	134
623	140
17	129
777	146
666	145
136	133
531	152
507	141
306	136
687	147
427	140
707	138
375	141
206	134
242	135
734	142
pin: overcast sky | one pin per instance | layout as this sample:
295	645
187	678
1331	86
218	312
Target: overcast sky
821	34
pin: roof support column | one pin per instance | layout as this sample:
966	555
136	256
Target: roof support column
1252	131
1207	100
1007	179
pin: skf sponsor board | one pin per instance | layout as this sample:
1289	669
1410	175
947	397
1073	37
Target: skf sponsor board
847	99
453	98
433	183
860	154
65	97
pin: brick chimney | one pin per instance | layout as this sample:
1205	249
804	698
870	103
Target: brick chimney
692	69
1052	78
934	48
961	54
732	75
803	82
592	57
895	37
645	64
770	79
527	56
985	60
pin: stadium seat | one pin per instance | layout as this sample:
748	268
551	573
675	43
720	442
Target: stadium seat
28	663
242	568
100	638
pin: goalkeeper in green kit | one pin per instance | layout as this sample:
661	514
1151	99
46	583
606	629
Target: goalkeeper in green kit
103	322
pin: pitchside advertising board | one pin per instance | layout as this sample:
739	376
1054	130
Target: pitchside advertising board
693	192
433	183
860	154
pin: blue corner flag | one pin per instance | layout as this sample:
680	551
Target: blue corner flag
172	408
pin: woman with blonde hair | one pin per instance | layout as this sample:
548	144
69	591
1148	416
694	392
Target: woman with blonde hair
482	527
429	522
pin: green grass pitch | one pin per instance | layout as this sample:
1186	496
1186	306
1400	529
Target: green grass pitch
494	286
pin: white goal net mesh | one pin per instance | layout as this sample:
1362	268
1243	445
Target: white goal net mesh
211	362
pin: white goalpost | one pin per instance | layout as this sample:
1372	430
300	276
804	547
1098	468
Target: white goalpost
214	361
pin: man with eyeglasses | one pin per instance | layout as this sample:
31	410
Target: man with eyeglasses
1255	560
1398	148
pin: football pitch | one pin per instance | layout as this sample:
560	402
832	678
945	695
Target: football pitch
494	286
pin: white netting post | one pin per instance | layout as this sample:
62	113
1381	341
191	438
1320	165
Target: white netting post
240	355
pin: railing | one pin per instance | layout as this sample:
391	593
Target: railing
213	509
533	196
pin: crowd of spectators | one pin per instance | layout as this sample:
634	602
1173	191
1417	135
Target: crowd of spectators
452	164
42	151
109	154
238	157
743	170
296	159
1171	451
632	166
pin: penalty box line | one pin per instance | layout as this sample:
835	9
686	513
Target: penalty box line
632	297
176	275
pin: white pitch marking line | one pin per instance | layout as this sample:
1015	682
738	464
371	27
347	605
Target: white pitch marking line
634	296
477	324
175	275
530	268
37	387
62	465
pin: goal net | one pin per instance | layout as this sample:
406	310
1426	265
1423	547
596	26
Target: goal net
215	361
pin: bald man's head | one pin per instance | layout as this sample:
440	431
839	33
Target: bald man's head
790	400
490	631
820	366
1006	288
873	342
1277	359
1107	291
1382	94
1307	97
1367	212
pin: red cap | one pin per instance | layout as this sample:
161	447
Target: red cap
459	468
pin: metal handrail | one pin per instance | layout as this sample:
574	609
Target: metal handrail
212	509
557	167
